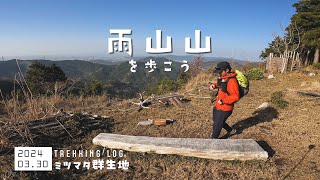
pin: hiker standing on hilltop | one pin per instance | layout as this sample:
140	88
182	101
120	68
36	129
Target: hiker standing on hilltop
228	94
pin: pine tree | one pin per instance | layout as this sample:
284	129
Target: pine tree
41	79
307	19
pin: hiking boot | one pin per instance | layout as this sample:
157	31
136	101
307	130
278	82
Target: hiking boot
232	132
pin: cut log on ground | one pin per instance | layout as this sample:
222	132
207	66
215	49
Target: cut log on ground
174	99
178	101
173	102
217	149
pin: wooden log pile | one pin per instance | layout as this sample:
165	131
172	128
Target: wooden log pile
53	130
174	99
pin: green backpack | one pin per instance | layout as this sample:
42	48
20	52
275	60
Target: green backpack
242	80
243	83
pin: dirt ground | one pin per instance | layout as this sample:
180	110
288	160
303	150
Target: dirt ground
290	135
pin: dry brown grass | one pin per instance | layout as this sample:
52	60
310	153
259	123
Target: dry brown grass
201	81
285	133
40	107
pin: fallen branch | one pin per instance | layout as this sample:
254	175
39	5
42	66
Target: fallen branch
314	94
199	97
143	103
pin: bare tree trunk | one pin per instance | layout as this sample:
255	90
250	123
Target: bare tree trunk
307	58
316	56
55	89
285	61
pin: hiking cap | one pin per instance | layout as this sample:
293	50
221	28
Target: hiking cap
222	66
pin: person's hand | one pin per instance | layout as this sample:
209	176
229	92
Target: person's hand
220	101
212	87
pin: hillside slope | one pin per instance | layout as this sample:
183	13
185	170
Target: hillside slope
291	135
285	133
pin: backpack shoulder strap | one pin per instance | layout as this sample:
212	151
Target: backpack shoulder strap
226	84
228	81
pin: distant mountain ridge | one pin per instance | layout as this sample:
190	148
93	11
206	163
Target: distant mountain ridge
72	68
115	76
118	78
86	71
109	70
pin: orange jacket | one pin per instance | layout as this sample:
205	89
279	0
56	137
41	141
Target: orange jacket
228	100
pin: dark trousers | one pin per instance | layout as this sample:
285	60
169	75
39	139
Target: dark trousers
219	122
